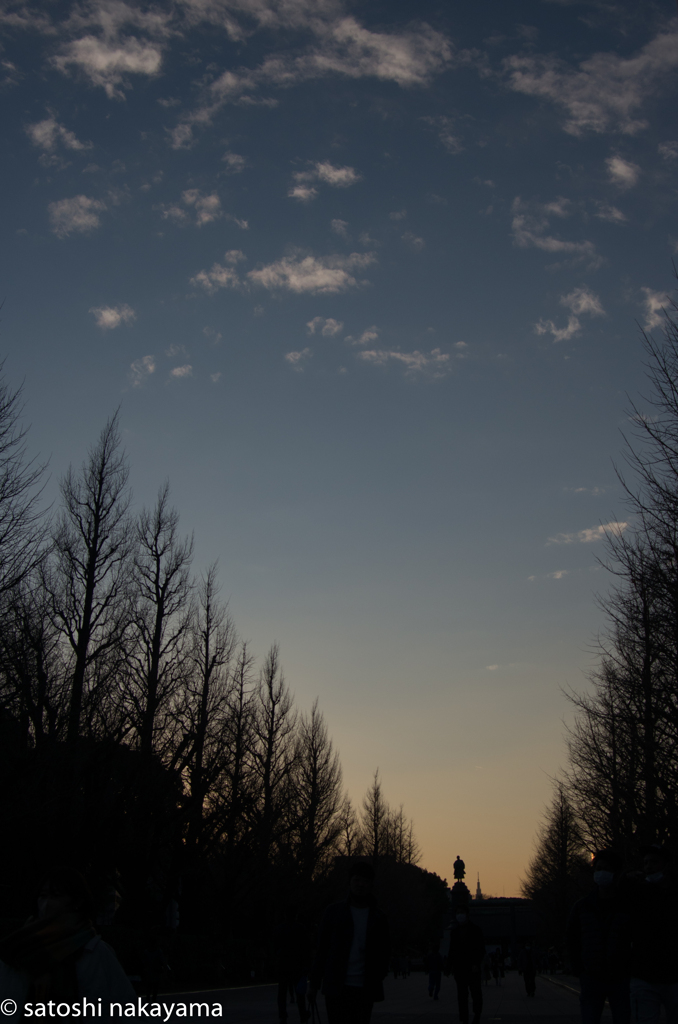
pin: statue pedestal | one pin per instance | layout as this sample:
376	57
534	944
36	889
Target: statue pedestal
461	895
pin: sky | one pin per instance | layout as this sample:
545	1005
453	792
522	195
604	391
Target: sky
368	289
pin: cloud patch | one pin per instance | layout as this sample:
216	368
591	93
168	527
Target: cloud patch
326	326
622	172
315	275
339	45
531	223
78	215
220	276
141	369
654	304
235	163
325	172
582	302
50	136
110	317
297	359
434	363
299	274
590	536
197	208
109	63
605	92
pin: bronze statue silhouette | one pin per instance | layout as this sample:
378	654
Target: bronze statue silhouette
459	868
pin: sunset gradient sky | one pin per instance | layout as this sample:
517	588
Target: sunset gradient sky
368	288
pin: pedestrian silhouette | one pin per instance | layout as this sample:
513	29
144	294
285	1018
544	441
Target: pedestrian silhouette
433	965
654	951
464	960
352	955
599	942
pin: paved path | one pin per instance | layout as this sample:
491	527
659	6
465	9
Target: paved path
407	1000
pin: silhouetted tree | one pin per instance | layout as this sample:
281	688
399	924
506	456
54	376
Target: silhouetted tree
317	793
160	635
349	838
33	684
623	767
557	875
203	711
273	754
21	517
89	581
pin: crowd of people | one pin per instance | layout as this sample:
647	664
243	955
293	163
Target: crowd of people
621	941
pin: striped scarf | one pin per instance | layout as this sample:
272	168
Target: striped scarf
47	948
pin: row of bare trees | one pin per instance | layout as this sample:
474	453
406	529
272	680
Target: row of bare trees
620	785
125	684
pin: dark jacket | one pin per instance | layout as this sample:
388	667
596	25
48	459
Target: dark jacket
654	952
433	962
598	935
335	937
467	949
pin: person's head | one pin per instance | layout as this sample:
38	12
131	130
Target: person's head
607	865
64	890
360	881
656	860
461	915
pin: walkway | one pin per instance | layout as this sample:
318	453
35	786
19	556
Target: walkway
407	1000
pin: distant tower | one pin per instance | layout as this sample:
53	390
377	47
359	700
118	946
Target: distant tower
479	893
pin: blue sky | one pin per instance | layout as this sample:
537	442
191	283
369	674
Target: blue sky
368	288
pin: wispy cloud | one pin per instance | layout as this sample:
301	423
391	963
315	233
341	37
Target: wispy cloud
221	276
78	215
322	171
327	326
340	227
668	150
340	45
297	359
591	535
313	275
141	369
434	363
622	172
304	193
204	209
413	241
581	301
605	92
207	208
109	63
175	350
611	213
445	129
182	371
654	304
234	162
110	317
531	222
559	574
369	335
50	136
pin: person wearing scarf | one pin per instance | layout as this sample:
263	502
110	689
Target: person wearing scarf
59	955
